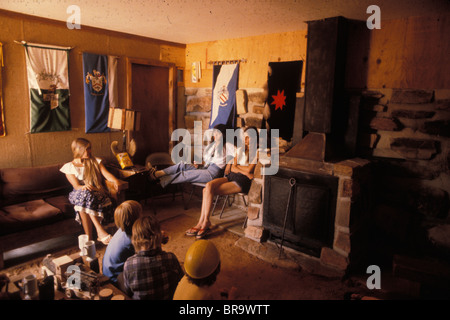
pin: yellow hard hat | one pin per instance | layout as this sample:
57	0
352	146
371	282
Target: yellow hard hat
202	259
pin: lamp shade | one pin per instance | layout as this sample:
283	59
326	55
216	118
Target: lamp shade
124	119
116	118
132	120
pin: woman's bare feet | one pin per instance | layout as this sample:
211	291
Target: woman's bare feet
192	232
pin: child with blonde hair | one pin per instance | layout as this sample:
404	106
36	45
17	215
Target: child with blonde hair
120	247
90	198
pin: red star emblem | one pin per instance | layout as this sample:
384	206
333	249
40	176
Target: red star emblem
279	100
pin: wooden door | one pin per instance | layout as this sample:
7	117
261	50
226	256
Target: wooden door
151	92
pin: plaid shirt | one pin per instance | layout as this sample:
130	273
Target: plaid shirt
152	275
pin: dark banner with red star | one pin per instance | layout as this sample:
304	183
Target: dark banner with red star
283	83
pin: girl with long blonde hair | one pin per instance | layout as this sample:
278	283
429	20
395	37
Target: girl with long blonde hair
90	198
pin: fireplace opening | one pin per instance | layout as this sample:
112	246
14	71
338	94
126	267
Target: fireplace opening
304	222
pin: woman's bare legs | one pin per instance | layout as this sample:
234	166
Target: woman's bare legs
220	186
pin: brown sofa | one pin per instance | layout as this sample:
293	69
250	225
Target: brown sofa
34	206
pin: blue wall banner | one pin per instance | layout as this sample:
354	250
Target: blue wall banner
225	84
99	74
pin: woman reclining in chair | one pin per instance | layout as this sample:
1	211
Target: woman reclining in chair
213	167
238	178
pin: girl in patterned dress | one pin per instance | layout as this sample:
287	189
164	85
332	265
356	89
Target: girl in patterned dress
89	196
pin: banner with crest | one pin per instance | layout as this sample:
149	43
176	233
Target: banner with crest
225	84
2	120
48	82
99	76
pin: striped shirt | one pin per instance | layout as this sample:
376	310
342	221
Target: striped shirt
152	275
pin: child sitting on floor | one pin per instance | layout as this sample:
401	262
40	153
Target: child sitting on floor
120	248
151	273
202	265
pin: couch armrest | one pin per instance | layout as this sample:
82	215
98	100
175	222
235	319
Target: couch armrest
118	195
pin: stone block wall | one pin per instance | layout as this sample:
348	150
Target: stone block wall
198	107
406	134
352	215
249	114
254	229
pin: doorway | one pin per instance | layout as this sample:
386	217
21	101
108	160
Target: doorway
151	91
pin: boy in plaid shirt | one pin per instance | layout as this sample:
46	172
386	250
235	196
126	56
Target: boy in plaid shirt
150	274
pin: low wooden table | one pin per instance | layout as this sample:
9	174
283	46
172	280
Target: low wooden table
126	173
15	287
114	296
137	179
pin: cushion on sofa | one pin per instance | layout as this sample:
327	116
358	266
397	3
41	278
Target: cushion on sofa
63	204
439	235
27	215
6	219
30	181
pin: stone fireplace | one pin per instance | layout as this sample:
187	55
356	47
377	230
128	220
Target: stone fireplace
337	207
299	208
395	204
330	186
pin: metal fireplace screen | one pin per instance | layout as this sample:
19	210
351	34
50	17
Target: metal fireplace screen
307	224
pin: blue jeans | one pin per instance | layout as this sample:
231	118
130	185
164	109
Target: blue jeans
184	172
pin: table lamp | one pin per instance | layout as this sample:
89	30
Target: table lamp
124	120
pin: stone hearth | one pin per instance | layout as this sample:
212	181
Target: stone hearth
352	209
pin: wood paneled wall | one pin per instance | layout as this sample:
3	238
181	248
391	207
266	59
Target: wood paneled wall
20	148
258	51
411	53
404	53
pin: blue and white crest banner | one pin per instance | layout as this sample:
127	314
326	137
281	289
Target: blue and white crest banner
225	84
99	77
